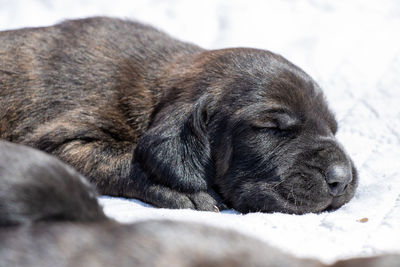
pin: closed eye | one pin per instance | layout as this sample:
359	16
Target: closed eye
283	120
276	131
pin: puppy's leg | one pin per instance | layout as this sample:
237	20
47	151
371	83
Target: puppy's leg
110	167
108	163
175	151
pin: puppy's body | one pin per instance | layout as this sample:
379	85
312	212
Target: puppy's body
85	91
36	187
146	116
149	243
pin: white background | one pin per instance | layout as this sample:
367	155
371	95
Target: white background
352	48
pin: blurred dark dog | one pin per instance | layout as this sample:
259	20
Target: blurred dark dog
145	116
49	216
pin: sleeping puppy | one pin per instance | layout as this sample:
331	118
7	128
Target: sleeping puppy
145	116
51	214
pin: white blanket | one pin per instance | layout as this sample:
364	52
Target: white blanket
352	48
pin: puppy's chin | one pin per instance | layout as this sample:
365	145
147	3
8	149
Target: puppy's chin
278	199
272	201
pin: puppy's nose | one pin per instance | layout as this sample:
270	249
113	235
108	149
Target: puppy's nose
338	177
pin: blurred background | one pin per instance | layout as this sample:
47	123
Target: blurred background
352	49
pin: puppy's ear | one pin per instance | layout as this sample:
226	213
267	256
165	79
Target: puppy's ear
175	151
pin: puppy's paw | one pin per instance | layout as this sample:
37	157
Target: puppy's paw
181	201
164	197
207	201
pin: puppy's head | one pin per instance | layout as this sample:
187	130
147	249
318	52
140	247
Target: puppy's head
258	128
274	139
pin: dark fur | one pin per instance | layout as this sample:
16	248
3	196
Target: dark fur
145	116
36	187
70	229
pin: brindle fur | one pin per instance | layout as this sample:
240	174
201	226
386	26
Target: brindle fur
145	116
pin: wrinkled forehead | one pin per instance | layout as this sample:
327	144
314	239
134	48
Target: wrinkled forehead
257	71
300	95
279	85
272	81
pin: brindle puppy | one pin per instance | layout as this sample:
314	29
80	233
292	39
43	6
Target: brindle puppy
145	116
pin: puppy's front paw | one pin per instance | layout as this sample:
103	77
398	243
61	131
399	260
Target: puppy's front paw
207	201
181	201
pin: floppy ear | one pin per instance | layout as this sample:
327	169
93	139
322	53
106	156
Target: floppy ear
175	151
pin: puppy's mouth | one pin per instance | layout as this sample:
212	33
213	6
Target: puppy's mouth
296	190
297	194
311	192
298	204
316	188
